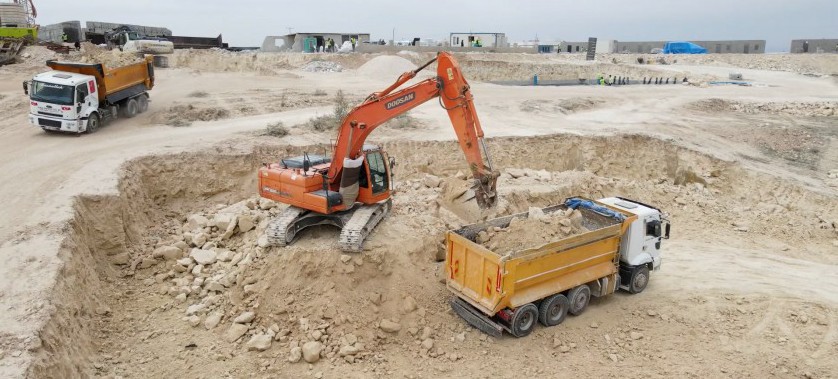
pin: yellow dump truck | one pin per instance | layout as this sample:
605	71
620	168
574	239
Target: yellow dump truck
80	97
496	292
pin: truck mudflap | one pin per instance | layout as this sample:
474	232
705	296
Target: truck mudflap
476	318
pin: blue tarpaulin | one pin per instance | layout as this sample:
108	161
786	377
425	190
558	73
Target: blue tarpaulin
576	202
683	48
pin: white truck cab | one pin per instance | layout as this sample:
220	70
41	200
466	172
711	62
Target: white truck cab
62	101
641	245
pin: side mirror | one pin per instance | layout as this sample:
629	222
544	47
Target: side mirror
26	87
666	232
392	163
306	163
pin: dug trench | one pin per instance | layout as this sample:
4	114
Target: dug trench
133	302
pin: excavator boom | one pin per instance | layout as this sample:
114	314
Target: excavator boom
454	96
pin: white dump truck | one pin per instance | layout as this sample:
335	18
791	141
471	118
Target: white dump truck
79	97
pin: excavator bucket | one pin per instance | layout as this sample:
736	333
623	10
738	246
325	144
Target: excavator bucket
485	191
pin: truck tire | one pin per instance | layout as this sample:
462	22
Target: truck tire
523	321
639	279
131	108
92	123
579	298
142	103
553	310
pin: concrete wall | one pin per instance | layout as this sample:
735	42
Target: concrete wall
52	33
576	47
369	48
713	47
486	39
13	15
814	46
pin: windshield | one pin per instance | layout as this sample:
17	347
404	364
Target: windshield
52	93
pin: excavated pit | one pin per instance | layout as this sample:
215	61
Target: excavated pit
117	310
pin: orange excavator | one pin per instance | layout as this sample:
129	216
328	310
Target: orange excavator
352	189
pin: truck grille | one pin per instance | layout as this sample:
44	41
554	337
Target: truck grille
49	114
50	123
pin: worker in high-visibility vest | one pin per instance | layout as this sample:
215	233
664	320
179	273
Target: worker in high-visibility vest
600	79
64	37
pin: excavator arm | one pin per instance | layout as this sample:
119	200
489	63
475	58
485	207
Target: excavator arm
454	96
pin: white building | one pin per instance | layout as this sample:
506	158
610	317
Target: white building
478	39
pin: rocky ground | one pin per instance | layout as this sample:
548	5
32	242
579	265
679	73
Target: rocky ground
144	254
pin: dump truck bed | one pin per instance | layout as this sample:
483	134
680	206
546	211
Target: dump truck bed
491	282
114	84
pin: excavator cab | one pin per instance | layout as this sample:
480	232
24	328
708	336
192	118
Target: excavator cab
375	180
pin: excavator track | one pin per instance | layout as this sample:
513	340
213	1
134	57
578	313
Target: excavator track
363	221
281	231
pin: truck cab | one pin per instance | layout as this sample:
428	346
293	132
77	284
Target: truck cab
62	101
641	245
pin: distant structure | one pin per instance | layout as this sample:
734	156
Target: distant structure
494	40
811	46
94	32
309	42
713	47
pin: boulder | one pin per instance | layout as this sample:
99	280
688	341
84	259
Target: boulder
295	355
212	321
196	221
311	351
235	332
259	342
246	223
204	257
389	326
169	253
244	318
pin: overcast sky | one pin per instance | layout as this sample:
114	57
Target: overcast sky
246	22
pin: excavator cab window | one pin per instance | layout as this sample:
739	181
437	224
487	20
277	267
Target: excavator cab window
378	172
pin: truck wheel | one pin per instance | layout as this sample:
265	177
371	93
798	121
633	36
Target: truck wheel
131	108
523	321
553	310
639	279
92	123
142	103
579	298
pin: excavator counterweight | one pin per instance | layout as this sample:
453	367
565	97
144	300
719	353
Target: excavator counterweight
352	189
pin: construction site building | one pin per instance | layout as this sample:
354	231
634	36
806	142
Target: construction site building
811	46
486	39
308	42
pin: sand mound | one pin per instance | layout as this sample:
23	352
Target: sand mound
536	230
823	108
110	58
386	67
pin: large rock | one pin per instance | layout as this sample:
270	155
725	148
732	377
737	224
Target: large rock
266	204
244	318
169	253
295	355
349	350
212	321
311	351
409	304
431	181
259	342
199	239
196	221
121	259
390	326
222	220
235	332
204	257
246	223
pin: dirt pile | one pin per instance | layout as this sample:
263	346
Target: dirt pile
322	66
563	106
806	109
186	114
386	67
110	58
536	230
